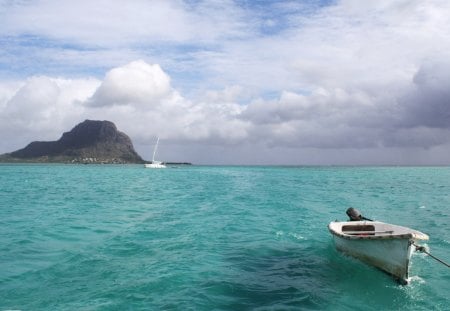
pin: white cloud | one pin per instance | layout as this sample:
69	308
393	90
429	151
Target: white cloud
40	108
137	84
115	23
140	98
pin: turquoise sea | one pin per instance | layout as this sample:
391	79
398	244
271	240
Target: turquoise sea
88	237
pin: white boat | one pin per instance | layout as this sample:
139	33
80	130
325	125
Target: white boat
155	164
385	246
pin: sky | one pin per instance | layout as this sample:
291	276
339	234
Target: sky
234	82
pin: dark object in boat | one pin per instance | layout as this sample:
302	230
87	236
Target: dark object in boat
355	215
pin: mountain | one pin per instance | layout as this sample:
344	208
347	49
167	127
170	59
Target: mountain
88	142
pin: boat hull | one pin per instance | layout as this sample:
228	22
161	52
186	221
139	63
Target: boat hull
389	255
155	165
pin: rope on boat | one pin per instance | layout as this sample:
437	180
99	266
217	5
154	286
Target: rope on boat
423	250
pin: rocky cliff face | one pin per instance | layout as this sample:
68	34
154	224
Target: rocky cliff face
88	142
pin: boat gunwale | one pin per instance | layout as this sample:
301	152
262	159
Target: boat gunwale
414	235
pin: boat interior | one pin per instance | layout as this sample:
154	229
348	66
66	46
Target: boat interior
359	229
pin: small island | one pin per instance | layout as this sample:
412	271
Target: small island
90	142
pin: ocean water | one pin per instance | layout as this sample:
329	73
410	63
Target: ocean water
87	237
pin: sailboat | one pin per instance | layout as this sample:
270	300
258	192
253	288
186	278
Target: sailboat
155	164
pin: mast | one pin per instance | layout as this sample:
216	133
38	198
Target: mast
154	150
